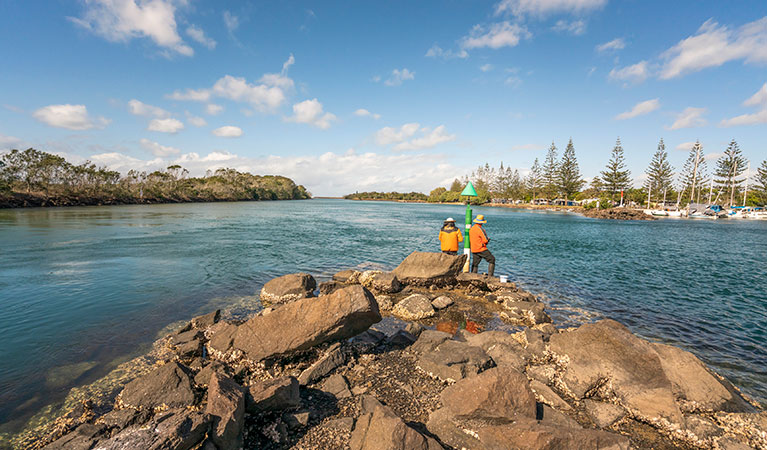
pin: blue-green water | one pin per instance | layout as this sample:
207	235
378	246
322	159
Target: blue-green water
94	284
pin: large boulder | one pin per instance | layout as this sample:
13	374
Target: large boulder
496	395
380	282
427	269
226	407
178	429
606	355
527	313
168	386
288	288
695	386
382	429
304	323
276	394
414	307
531	435
453	360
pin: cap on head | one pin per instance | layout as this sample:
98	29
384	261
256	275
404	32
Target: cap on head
480	219
450	219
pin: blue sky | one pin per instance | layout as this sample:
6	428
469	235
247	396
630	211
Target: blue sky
346	96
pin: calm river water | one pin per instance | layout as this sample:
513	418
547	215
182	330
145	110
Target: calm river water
83	287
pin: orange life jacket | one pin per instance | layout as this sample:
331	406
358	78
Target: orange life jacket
477	238
449	237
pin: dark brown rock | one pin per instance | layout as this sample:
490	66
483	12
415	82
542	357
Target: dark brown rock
168	385
348	276
333	358
304	323
178	429
383	430
226	407
203	376
337	386
452	360
427	269
207	320
83	437
274	395
694	384
495	395
328	287
606	352
428	340
530	435
474	280
288	288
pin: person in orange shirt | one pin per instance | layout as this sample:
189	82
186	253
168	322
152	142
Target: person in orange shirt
450	237
478	240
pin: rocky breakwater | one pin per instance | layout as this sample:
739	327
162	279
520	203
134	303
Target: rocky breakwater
617	214
323	373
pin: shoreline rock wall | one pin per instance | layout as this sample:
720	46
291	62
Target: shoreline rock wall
312	373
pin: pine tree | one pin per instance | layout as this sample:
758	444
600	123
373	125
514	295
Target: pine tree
761	181
616	178
534	179
515	184
660	171
550	170
569	179
457	186
690	176
728	168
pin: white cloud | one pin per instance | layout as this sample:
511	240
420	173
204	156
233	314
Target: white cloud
437	52
615	44
397	77
389	135
640	109
689	118
197	95
430	139
576	27
712	156
195	120
231	21
758	99
486	67
266	96
401	136
171	126
198	35
714	45
71	117
228	131
746	119
636	73
332	173
545	7
123	20
513	81
139	108
157	149
213	109
362	112
9	142
310	112
687	146
502	34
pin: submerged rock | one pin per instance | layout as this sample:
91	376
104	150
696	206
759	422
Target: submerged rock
288	288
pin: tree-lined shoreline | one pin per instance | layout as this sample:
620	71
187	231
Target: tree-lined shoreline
32	178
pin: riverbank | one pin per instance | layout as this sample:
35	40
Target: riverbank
308	373
21	200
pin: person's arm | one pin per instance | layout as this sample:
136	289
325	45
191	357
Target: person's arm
460	236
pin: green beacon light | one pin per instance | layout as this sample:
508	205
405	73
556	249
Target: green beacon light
468	191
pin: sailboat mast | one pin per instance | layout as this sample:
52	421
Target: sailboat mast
732	191
710	190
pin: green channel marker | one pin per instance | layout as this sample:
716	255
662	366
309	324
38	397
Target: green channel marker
468	191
